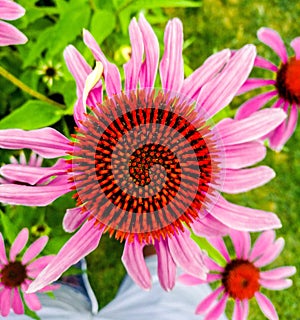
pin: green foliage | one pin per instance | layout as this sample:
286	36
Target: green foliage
31	115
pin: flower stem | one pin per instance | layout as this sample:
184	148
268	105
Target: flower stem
7	75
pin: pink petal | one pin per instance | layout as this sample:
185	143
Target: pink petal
209	226
266	306
218	93
261	62
242	180
285	130
78	246
262	242
32	175
237	311
35	248
208	301
32	301
10	10
34	195
254	83
151	46
133	66
171	65
187	254
10	35
243	218
210	68
254	104
279	284
3	258
272	39
251	128
295	44
18	244
278	273
245	306
244	155
218	309
5	301
219	244
211	264
35	267
270	253
34	160
74	218
111	73
135	264
189	280
17	304
242	243
166	268
46	142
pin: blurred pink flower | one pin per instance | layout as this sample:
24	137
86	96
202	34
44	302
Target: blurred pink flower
108	204
242	276
17	274
284	89
9	34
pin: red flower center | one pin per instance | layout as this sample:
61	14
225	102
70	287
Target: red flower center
288	81
240	279
13	274
143	164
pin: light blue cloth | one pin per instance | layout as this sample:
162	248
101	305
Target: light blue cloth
130	303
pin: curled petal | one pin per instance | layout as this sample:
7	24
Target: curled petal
74	218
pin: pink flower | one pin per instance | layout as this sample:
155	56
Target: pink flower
9	34
144	163
17	274
242	276
284	89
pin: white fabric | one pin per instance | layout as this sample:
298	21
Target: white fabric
130	303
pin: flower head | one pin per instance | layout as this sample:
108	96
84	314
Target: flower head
16	274
146	163
9	34
242	277
284	88
50	72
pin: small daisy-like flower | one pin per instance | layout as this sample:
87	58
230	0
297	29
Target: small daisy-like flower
39	230
50	72
284	88
9	34
16	274
145	163
243	276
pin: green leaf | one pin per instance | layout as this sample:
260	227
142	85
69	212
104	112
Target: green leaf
102	25
10	231
212	252
146	4
33	114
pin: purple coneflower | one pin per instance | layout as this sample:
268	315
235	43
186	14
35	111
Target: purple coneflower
9	34
241	277
17	274
284	88
145	163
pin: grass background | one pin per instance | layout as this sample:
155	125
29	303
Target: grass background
212	27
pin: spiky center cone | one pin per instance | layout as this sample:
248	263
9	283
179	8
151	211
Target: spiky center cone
13	274
241	279
144	164
288	81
